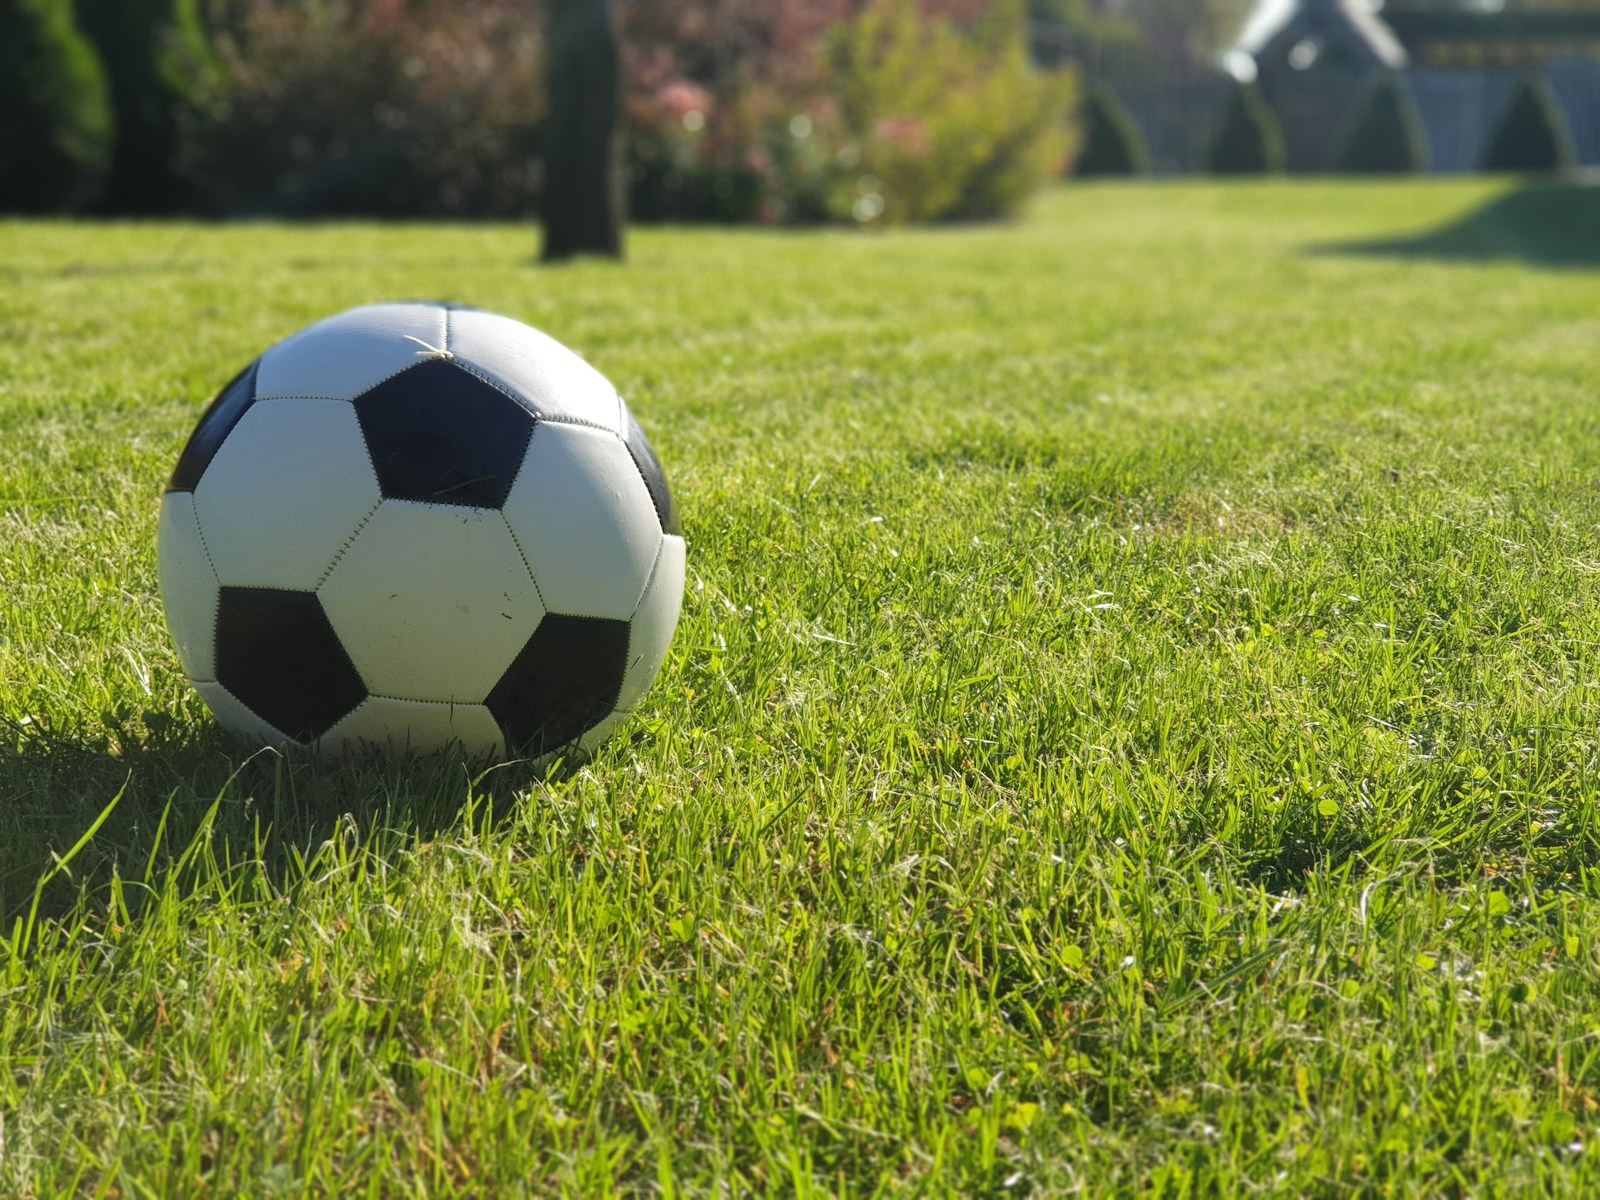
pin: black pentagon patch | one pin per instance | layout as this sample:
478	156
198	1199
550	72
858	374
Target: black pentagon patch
438	433
654	478
564	682
215	425
277	652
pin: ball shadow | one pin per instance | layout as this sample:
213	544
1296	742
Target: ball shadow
155	792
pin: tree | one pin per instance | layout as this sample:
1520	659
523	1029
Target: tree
1384	133
1112	143
1531	134
150	49
1249	140
584	202
55	123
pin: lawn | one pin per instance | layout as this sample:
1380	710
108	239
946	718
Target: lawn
1133	726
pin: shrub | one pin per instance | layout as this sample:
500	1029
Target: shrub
55	122
1531	134
1249	140
377	107
1383	135
150	49
792	110
726	112
1112	143
769	110
696	157
940	121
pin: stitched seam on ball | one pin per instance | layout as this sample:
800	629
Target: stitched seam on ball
445	344
583	422
558	419
201	534
301	396
216	577
517	542
347	544
265	587
372	465
633	623
477	373
629	660
273	729
452	705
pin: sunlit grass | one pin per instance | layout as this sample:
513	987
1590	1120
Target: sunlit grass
1133	726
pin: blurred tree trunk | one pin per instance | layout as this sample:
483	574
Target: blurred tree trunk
584	196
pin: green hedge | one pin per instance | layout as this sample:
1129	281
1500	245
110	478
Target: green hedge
1531	134
55	123
1249	139
1112	143
150	50
1383	135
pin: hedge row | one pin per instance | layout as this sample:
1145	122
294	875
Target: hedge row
1382	135
1247	141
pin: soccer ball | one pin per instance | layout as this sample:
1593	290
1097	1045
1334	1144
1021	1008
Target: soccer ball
420	526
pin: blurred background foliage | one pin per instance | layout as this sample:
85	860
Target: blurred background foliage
777	111
738	110
870	111
55	115
366	107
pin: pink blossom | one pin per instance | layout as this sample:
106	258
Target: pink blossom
682	96
904	133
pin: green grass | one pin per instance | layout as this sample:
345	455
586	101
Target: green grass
1133	726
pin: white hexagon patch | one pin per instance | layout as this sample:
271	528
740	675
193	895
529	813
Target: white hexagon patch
417	727
289	486
585	520
432	602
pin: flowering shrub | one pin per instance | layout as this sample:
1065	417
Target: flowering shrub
719	104
901	112
737	110
943	122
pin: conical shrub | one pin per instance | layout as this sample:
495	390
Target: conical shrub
55	123
1531	134
1383	135
1249	139
150	50
1112	143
